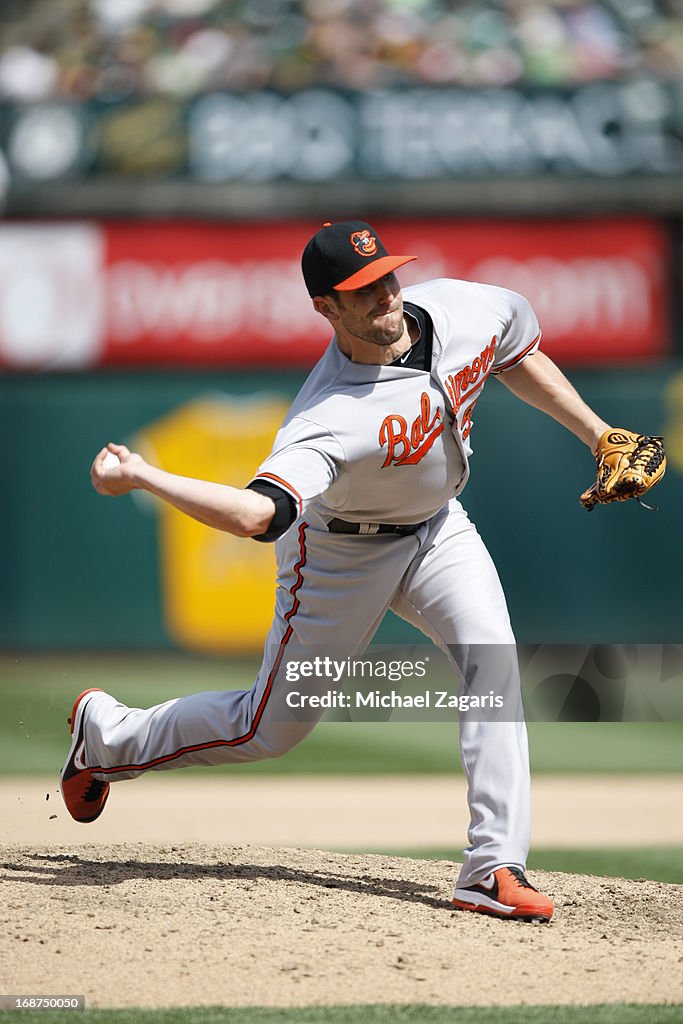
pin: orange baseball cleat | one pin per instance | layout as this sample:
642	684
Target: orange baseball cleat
84	795
506	892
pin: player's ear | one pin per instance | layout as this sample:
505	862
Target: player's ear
326	306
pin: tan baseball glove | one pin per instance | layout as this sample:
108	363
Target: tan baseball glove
628	465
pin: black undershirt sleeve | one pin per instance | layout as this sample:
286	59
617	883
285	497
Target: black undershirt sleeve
285	509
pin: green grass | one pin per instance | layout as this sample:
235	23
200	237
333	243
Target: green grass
657	864
611	1013
36	693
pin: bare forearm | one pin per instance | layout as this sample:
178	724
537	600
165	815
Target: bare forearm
244	513
539	382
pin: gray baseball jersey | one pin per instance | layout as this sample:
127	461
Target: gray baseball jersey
370	443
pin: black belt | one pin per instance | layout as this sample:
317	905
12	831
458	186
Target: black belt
371	529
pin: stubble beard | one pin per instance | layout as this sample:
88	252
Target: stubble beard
385	335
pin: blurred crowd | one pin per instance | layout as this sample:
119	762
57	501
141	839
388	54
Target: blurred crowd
117	49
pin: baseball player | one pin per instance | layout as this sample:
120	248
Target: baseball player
360	495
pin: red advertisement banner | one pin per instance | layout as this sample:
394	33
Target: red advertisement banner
78	295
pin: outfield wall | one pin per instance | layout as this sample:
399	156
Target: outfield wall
82	571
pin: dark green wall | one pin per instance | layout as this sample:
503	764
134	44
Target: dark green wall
82	572
612	575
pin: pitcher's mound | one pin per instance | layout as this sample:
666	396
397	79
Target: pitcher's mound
137	925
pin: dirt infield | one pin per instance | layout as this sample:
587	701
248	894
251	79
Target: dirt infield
146	925
343	812
162	908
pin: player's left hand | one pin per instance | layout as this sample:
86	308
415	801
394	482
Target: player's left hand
110	478
628	465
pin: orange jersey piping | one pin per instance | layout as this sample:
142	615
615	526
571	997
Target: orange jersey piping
512	362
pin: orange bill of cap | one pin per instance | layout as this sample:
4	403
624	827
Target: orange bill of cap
372	272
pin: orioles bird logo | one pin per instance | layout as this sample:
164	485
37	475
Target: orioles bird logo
364	243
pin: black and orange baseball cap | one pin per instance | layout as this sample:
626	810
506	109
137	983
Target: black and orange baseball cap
344	256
